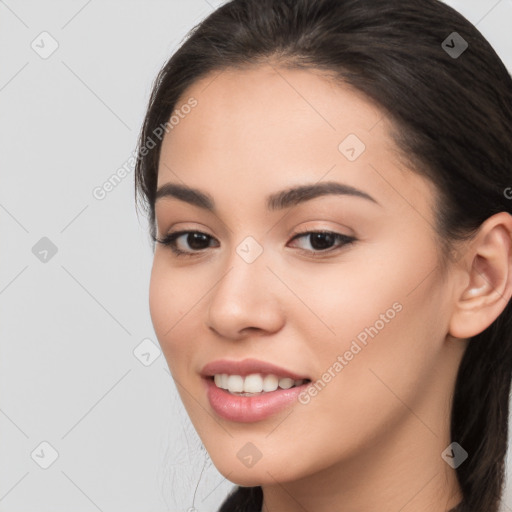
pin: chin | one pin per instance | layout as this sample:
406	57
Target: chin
261	473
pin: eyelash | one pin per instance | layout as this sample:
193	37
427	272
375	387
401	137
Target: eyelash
170	241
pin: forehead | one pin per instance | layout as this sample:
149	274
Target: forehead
265	127
242	109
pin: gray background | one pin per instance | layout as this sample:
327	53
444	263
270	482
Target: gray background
70	321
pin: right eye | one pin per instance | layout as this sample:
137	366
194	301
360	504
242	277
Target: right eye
196	240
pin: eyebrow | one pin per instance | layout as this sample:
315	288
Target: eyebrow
276	201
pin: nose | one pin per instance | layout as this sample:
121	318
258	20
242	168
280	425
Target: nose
245	300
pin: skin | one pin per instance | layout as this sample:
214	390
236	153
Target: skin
372	438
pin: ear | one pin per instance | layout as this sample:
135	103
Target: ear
486	278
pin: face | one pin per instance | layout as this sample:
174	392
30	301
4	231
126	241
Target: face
339	286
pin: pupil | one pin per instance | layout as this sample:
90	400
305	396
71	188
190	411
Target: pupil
194	240
317	237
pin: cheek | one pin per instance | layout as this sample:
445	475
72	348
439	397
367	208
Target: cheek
364	287
159	296
361	396
168	306
381	313
391	345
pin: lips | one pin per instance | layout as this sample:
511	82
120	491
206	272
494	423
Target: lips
250	407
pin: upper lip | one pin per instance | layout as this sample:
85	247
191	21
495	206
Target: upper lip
247	367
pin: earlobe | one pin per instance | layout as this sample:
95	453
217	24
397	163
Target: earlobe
487	269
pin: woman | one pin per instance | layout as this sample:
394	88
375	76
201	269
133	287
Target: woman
328	183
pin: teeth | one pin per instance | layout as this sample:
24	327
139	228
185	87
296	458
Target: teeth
235	383
254	383
286	383
270	383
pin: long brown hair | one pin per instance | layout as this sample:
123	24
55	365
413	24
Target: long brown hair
452	119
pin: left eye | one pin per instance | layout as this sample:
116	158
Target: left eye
323	240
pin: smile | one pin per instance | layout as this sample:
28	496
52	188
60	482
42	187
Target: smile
255	383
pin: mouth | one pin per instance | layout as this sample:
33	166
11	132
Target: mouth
254	384
251	390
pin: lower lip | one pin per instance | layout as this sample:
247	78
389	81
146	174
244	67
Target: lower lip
246	409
